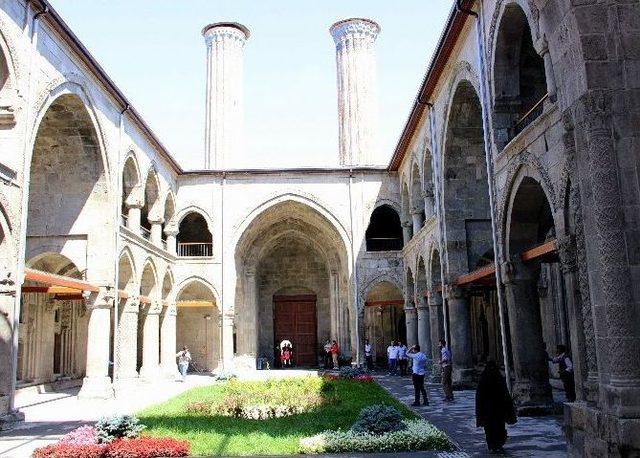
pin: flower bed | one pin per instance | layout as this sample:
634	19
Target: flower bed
141	447
112	437
417	435
264	400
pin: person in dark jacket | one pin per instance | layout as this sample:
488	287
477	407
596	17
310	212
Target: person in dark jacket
494	407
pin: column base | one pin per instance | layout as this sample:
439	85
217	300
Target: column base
150	373
534	399
96	388
170	372
463	378
8	420
590	432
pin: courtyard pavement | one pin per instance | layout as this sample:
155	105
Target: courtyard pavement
531	436
49	415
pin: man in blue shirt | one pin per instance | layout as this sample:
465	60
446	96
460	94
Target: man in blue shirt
418	371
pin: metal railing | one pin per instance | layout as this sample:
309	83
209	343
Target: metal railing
531	114
195	249
146	233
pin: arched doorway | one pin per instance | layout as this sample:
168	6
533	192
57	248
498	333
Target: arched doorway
198	324
53	326
148	357
535	294
291	250
384	319
194	236
128	309
467	218
384	232
520	87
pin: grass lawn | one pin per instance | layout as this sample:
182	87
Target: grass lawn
220	435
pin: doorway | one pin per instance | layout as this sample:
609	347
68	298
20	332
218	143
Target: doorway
294	319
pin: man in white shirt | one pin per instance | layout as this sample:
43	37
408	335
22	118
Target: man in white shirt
392	354
368	355
418	372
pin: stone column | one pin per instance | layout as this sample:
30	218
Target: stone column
427	195
412	323
168	349
543	50
424	326
128	339
224	106
436	322
357	101
133	217
416	218
531	370
151	343
227	338
96	383
569	268
460	335
253	313
7	329
156	231
406	231
171	232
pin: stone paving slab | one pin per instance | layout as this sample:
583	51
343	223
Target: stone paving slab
531	436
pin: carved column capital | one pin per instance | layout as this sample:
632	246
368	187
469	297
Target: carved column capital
171	230
132	304
456	291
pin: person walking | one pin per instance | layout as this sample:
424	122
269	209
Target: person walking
402	358
447	371
418	372
565	365
335	351
184	358
368	354
392	355
327	354
494	407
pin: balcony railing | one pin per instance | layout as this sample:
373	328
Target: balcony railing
531	114
195	249
124	219
146	233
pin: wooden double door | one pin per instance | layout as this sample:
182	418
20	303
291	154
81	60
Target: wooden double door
295	320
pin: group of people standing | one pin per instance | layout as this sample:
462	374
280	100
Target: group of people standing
331	354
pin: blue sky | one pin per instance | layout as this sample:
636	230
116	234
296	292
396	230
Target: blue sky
154	52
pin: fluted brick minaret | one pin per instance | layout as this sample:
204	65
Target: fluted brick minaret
224	117
357	96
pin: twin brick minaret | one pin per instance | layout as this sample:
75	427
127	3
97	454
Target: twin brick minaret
357	99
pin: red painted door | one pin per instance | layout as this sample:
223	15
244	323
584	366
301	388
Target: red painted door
295	320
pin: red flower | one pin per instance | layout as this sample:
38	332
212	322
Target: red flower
147	447
64	450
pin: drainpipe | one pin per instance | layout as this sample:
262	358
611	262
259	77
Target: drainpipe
497	249
116	270
222	248
435	165
25	204
354	269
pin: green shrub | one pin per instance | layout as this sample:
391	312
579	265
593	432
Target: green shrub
416	435
118	427
349	372
378	419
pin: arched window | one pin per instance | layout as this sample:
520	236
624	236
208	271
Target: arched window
194	237
384	232
520	83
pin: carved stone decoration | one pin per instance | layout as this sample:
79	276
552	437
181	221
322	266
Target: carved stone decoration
567	252
622	342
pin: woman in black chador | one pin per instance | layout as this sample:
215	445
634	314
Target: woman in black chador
494	407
